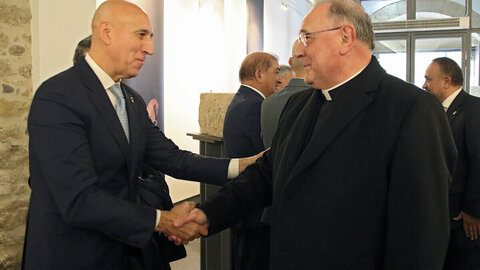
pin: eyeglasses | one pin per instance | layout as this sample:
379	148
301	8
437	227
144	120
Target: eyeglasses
303	36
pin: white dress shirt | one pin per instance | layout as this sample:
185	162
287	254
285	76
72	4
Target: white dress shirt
107	82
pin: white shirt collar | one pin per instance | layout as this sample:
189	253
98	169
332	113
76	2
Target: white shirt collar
327	95
254	89
448	101
104	78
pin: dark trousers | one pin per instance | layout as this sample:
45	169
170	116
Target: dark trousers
462	253
250	248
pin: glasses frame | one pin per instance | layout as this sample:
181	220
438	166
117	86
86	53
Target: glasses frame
303	36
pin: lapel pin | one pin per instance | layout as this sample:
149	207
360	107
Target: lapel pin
454	113
131	100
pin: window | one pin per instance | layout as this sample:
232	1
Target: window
385	10
427	49
392	55
475	65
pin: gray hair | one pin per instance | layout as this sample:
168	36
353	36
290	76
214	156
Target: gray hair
353	13
284	69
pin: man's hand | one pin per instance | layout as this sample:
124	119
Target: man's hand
196	216
189	231
243	163
471	225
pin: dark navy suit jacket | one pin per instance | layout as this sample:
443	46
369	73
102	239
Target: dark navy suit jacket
464	117
83	212
241	132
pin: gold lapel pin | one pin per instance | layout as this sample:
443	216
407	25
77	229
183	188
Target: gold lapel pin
131	100
454	113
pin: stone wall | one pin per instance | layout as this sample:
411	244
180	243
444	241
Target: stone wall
211	113
15	98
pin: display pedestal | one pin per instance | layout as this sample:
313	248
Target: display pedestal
215	250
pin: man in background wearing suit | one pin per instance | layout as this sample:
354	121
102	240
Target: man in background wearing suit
358	173
82	49
89	135
273	105
286	73
443	78
241	135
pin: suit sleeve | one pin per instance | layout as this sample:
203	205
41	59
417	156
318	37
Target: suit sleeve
163	154
471	202
420	172
60	151
241	197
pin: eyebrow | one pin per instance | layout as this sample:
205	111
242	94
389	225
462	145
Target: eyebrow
145	31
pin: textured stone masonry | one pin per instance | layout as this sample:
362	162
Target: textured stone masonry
211	115
15	99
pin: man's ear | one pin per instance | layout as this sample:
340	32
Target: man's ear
290	62
349	35
447	82
258	75
105	32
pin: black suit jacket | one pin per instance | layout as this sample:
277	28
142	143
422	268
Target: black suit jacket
464	117
368	191
83	212
241	134
241	128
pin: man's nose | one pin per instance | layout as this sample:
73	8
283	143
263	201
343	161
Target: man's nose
148	48
300	50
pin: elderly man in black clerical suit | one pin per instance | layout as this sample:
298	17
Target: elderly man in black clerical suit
358	173
89	135
444	79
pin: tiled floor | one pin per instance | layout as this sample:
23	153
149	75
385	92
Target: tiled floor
192	261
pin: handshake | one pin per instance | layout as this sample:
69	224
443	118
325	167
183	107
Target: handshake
183	223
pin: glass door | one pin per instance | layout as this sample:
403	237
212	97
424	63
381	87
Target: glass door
428	48
392	55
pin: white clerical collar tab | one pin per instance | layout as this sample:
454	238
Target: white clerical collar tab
327	95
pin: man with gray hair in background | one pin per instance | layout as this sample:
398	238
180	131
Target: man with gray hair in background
286	74
273	105
358	173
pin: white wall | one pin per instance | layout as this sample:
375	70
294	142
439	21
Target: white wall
57	27
205	42
281	28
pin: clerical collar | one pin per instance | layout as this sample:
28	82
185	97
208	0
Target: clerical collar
254	89
326	91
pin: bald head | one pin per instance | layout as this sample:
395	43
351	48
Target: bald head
115	11
295	62
121	38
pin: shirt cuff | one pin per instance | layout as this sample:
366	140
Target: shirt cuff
233	168
159	214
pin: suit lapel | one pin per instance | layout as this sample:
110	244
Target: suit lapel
350	100
456	106
345	108
134	126
300	129
102	103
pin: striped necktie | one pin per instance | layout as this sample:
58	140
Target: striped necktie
121	108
